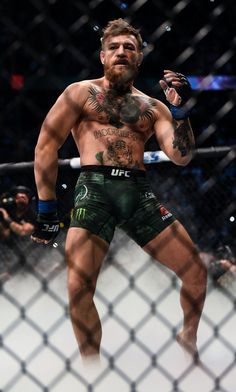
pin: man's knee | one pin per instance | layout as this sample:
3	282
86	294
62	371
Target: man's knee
81	288
200	266
194	270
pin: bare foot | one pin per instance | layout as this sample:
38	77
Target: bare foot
188	342
91	360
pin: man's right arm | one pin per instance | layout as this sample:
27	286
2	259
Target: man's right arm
54	131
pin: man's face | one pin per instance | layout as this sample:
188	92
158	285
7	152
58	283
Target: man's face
121	58
22	201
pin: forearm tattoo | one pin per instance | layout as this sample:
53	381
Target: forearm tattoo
182	137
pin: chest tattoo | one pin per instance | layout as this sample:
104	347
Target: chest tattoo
120	110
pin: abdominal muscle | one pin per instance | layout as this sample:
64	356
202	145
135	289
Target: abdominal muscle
109	146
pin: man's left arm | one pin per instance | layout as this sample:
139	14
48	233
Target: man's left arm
173	128
21	229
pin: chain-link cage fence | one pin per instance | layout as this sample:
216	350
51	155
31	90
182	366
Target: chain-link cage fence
137	299
47	44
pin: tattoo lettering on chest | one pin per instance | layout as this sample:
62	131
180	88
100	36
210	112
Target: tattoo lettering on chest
120	133
124	109
182	139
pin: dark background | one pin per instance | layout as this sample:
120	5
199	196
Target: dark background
47	44
51	43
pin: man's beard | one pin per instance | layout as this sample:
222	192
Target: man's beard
21	206
120	79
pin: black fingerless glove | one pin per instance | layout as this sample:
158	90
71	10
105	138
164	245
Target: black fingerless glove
184	91
181	111
47	224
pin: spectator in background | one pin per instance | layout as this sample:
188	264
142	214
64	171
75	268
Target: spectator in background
223	258
219	262
16	214
17	221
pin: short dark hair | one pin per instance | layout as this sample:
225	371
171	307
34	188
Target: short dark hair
119	27
21	189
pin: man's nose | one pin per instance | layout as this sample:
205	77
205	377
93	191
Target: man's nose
121	50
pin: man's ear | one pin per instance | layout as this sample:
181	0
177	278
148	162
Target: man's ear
102	55
140	59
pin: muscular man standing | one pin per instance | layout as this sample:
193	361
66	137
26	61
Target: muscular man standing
111	121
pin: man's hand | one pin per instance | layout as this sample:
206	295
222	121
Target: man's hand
6	219
176	87
47	228
4	213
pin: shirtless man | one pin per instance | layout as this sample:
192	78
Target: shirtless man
110	121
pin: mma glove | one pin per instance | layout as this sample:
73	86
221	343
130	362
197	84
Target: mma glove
47	224
184	91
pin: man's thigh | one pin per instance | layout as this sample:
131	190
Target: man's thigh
174	248
149	220
85	253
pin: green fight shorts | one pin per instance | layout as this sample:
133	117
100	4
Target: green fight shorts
107	197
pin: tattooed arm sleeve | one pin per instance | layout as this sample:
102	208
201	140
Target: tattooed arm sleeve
175	137
183	140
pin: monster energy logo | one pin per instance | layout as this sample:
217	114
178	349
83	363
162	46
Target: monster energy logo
80	213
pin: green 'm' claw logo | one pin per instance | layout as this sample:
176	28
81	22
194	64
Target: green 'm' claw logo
80	213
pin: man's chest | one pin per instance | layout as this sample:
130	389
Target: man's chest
107	107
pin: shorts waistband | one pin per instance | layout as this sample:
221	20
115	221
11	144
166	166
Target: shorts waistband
114	172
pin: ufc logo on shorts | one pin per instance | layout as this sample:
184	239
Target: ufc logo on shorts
50	228
120	172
